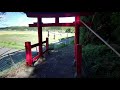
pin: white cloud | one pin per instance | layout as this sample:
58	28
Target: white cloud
24	21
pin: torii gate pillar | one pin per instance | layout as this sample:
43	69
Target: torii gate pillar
40	36
78	47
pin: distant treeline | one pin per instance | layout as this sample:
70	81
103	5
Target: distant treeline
25	28
18	28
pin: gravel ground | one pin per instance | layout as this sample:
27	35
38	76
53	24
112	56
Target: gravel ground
58	64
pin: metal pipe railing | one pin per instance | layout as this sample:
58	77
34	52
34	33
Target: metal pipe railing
11	53
5	52
100	38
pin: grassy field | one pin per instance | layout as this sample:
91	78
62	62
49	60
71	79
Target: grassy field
16	39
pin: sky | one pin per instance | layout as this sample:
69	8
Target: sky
20	19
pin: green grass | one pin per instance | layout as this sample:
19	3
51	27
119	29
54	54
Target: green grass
17	39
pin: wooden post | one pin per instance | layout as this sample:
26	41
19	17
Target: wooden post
48	33
77	27
78	60
57	20
54	36
76	39
47	43
40	37
77	47
29	60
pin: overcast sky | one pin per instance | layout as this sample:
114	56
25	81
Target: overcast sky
20	19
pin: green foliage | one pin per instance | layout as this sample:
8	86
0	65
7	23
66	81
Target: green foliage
95	50
115	18
106	24
72	42
63	45
83	35
62	39
18	28
100	61
69	30
25	28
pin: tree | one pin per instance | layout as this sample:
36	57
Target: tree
1	14
106	24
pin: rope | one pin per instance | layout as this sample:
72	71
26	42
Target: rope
101	39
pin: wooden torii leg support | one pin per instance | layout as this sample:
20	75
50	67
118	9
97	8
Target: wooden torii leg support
40	37
28	46
78	48
29	60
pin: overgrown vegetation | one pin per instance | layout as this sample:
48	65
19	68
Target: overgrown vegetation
106	24
100	61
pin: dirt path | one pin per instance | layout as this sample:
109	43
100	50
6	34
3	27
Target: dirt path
58	64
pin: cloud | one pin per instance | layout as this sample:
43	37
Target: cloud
24	21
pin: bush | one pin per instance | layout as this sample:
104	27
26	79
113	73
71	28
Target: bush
69	30
100	61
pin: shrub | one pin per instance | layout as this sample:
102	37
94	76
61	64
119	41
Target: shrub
100	61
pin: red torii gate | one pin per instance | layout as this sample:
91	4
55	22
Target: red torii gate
77	24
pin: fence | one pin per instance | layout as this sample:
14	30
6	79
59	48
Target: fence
9	60
29	58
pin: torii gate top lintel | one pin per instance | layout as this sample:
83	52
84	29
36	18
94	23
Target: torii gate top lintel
57	14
